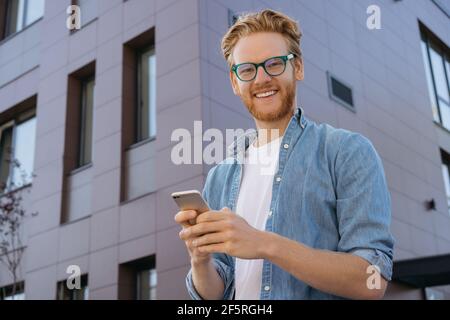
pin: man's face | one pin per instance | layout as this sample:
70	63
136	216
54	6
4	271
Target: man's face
257	48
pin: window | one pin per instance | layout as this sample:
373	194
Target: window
17	139
82	293
138	279
88	10
78	144
139	89
6	293
86	115
433	294
21	13
146	113
146	284
446	174
340	92
436	59
79	118
138	112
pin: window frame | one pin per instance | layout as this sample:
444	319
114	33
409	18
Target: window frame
432	42
7	20
445	162
6	291
9	124
129	278
152	288
14	123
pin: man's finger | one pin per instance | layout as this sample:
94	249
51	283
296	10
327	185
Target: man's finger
202	228
210	238
184	217
213	248
210	216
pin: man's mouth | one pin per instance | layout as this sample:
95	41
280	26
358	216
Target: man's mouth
265	94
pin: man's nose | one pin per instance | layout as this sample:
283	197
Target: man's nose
261	75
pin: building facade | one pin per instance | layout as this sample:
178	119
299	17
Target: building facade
91	112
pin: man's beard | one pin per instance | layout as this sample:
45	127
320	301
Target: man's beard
286	107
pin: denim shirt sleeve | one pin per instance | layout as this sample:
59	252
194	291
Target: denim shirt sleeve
363	203
222	262
225	272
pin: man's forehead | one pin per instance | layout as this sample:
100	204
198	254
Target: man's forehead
259	47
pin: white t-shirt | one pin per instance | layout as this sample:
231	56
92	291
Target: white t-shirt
253	205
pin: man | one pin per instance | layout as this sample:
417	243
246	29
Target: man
315	223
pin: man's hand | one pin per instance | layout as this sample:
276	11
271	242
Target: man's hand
226	232
185	219
206	280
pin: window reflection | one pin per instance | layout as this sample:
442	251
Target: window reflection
147	94
24	141
21	13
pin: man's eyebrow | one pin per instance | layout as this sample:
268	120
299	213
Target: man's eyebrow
249	61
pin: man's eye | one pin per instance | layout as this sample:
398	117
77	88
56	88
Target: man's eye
245	70
274	64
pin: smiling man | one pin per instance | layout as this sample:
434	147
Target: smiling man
315	223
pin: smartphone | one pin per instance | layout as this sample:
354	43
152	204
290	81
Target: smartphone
190	200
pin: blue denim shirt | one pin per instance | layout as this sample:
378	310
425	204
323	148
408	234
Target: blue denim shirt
332	195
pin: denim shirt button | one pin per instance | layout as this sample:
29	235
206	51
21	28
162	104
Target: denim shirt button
266	288
286	146
278	179
270	213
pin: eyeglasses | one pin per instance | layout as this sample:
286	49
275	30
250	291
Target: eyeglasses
273	67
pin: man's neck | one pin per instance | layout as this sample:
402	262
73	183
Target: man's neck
271	130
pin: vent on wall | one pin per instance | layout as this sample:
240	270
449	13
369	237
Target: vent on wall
340	92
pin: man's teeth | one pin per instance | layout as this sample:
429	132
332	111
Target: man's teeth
265	94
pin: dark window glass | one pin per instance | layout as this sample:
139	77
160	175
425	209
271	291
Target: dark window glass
146	284
7	293
86	118
146	113
340	92
5	154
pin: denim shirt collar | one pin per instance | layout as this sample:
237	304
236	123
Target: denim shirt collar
238	147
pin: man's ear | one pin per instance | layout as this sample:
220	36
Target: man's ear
298	67
234	83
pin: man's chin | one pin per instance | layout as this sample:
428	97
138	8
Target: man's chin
267	116
262	113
